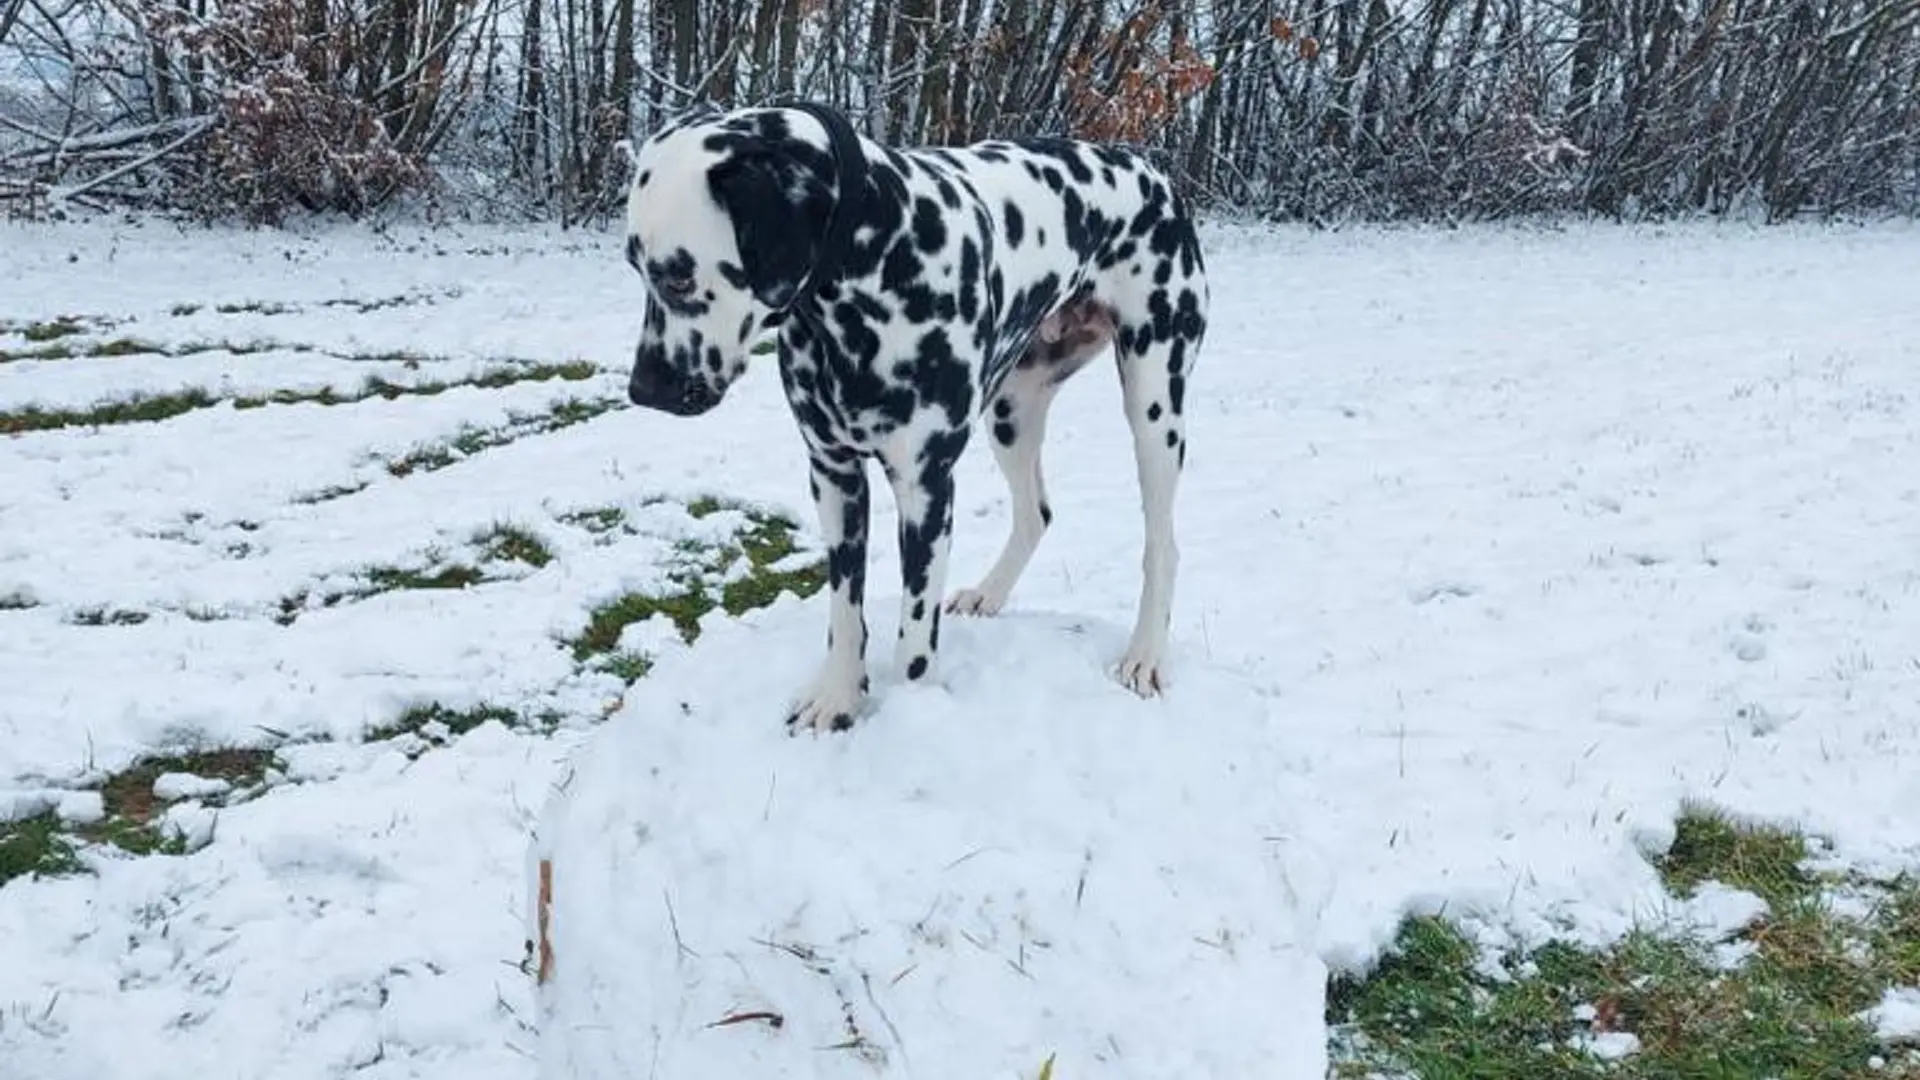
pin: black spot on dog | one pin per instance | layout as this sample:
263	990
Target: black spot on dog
929	226
1016	223
969	280
1153	411
919	610
917	669
1046	515
1004	433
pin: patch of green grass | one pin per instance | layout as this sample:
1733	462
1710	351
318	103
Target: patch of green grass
129	796
512	543
605	625
133	837
37	846
425	459
330	493
147	408
135	409
257	307
1708	846
769	540
1787	1010
374	580
471	440
64	326
626	665
124	347
58	348
603	519
394	578
701	583
705	506
457	721
1427	1011
46	845
1895	933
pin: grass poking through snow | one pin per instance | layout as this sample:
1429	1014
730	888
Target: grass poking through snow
749	570
441	722
39	845
147	408
512	543
471	440
1784	999
132	812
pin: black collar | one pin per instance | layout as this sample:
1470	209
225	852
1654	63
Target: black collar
850	175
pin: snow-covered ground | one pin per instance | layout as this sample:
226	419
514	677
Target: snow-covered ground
1499	543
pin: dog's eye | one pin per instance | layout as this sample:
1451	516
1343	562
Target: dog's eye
677	286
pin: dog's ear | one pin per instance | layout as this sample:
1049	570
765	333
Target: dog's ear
757	191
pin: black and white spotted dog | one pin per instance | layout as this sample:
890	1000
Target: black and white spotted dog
914	289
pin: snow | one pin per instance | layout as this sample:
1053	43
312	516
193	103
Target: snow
1022	861
1897	1018
176	785
1498	545
1716	912
1608	1045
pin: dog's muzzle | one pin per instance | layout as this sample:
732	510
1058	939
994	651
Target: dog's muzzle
656	384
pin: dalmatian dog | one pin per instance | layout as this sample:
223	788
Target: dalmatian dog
913	291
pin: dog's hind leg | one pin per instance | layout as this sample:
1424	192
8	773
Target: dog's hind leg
1155	357
1019	421
1019	424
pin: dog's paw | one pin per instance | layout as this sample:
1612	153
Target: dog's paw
829	704
975	602
1140	672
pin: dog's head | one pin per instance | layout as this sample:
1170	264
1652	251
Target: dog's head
726	216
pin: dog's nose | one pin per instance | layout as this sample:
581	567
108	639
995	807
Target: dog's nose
698	394
653	385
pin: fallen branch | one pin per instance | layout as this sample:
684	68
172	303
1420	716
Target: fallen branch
61	194
58	146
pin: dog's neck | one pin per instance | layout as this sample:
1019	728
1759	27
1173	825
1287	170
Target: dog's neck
850	182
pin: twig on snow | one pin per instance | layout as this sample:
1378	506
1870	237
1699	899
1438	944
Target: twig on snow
768	1016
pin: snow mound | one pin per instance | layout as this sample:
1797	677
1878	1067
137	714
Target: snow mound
1020	862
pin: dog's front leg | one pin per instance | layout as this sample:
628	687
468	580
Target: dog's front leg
840	496
923	491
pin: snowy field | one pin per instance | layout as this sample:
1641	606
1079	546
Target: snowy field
1498	546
